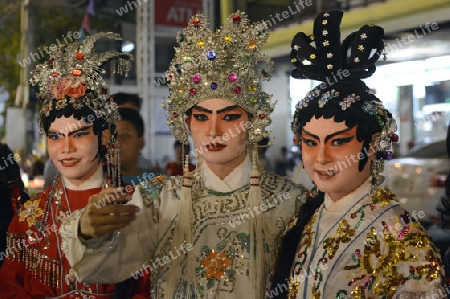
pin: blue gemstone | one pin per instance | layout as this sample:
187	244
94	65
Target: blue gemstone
262	101
214	86
211	55
181	37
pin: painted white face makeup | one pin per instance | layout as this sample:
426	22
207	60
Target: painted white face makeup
219	130
130	144
331	155
72	147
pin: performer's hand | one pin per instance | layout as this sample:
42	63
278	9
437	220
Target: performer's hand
106	212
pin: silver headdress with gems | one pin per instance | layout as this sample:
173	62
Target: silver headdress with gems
72	78
73	75
226	63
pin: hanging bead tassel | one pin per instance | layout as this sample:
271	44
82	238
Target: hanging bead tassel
183	234
257	261
113	163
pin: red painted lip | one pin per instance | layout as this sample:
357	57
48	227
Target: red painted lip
215	147
69	162
326	174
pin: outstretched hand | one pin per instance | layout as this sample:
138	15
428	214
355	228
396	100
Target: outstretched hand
107	211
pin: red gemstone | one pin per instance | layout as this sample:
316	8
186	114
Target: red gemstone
299	255
79	56
236	19
297	272
174	115
237	90
104	91
324	260
353	215
76	72
193	91
394	138
196	22
262	115
372	207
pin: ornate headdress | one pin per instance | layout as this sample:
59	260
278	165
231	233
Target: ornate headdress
226	64
73	75
341	67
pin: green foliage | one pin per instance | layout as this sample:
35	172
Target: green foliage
10	45
49	23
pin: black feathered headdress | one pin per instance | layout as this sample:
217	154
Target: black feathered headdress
342	94
355	55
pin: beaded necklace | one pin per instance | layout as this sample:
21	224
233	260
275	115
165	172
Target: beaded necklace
57	192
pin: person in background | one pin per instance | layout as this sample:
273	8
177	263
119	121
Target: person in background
133	101
213	232
78	119
12	191
181	151
130	135
127	100
352	237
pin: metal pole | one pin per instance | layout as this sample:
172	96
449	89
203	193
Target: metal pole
151	78
24	46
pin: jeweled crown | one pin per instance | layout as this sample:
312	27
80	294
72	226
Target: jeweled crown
226	63
73	76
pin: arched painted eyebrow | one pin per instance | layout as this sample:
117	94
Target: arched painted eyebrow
197	107
82	129
328	136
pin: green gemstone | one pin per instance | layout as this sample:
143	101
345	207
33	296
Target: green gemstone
246	56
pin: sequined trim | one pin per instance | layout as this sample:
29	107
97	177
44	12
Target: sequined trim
371	268
42	267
